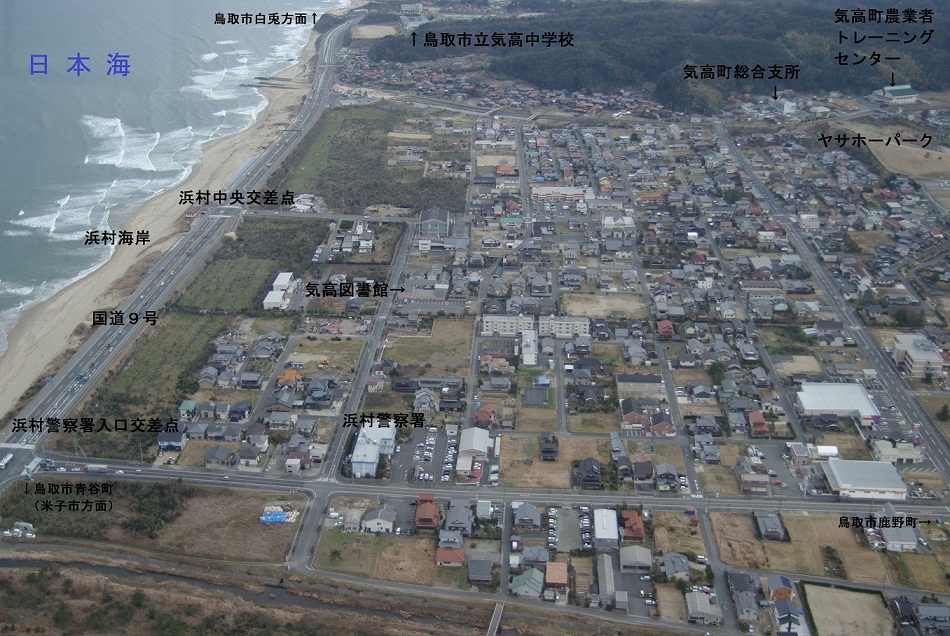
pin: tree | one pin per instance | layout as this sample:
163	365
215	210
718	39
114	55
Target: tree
335	554
944	413
717	372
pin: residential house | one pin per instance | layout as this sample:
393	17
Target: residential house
526	516
529	584
379	520
217	456
589	474
480	571
675	566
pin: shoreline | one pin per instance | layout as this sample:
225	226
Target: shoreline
44	331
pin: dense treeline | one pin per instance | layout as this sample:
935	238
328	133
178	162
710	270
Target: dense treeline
619	45
141	509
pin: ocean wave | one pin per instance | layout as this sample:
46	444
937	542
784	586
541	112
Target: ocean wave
13	289
207	57
228	42
17	233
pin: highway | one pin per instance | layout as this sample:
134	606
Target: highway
104	347
938	449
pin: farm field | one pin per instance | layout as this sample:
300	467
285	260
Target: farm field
718	480
845	612
803	555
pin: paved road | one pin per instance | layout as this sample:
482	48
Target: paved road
938	447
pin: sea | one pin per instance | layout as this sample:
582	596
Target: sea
80	153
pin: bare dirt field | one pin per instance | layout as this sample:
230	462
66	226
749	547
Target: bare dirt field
729	453
796	364
373	32
533	473
849	446
583	573
845	612
670	602
803	555
672	532
680	376
737	541
447	349
693	410
408	560
599	306
908	158
885	337
718	480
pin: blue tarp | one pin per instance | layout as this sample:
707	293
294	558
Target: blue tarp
274	517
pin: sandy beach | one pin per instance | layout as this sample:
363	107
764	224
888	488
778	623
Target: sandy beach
46	330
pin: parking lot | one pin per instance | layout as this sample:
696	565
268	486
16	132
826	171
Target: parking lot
424	458
568	532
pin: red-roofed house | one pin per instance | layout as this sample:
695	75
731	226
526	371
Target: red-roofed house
633	525
757	424
450	557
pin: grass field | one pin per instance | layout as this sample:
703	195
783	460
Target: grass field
450	578
225	524
408	560
596	422
932	404
737	540
919	571
289	243
151	384
672	532
845	612
718	480
354	553
447	350
229	286
868	240
670	452
196	450
344	159
908	158
316	160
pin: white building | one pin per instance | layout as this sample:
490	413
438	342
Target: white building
916	355
606	530
893	452
563	326
529	347
900	94
274	300
372	442
852	479
509	326
473	445
283	281
843	400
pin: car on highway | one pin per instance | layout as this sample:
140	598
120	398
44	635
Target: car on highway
76	469
922	542
225	478
61	469
120	472
138	470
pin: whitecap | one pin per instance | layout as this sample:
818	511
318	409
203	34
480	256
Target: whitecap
207	57
228	42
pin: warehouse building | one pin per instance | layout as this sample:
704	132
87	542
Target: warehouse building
843	400
852	479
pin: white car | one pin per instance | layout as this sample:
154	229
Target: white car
120	472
